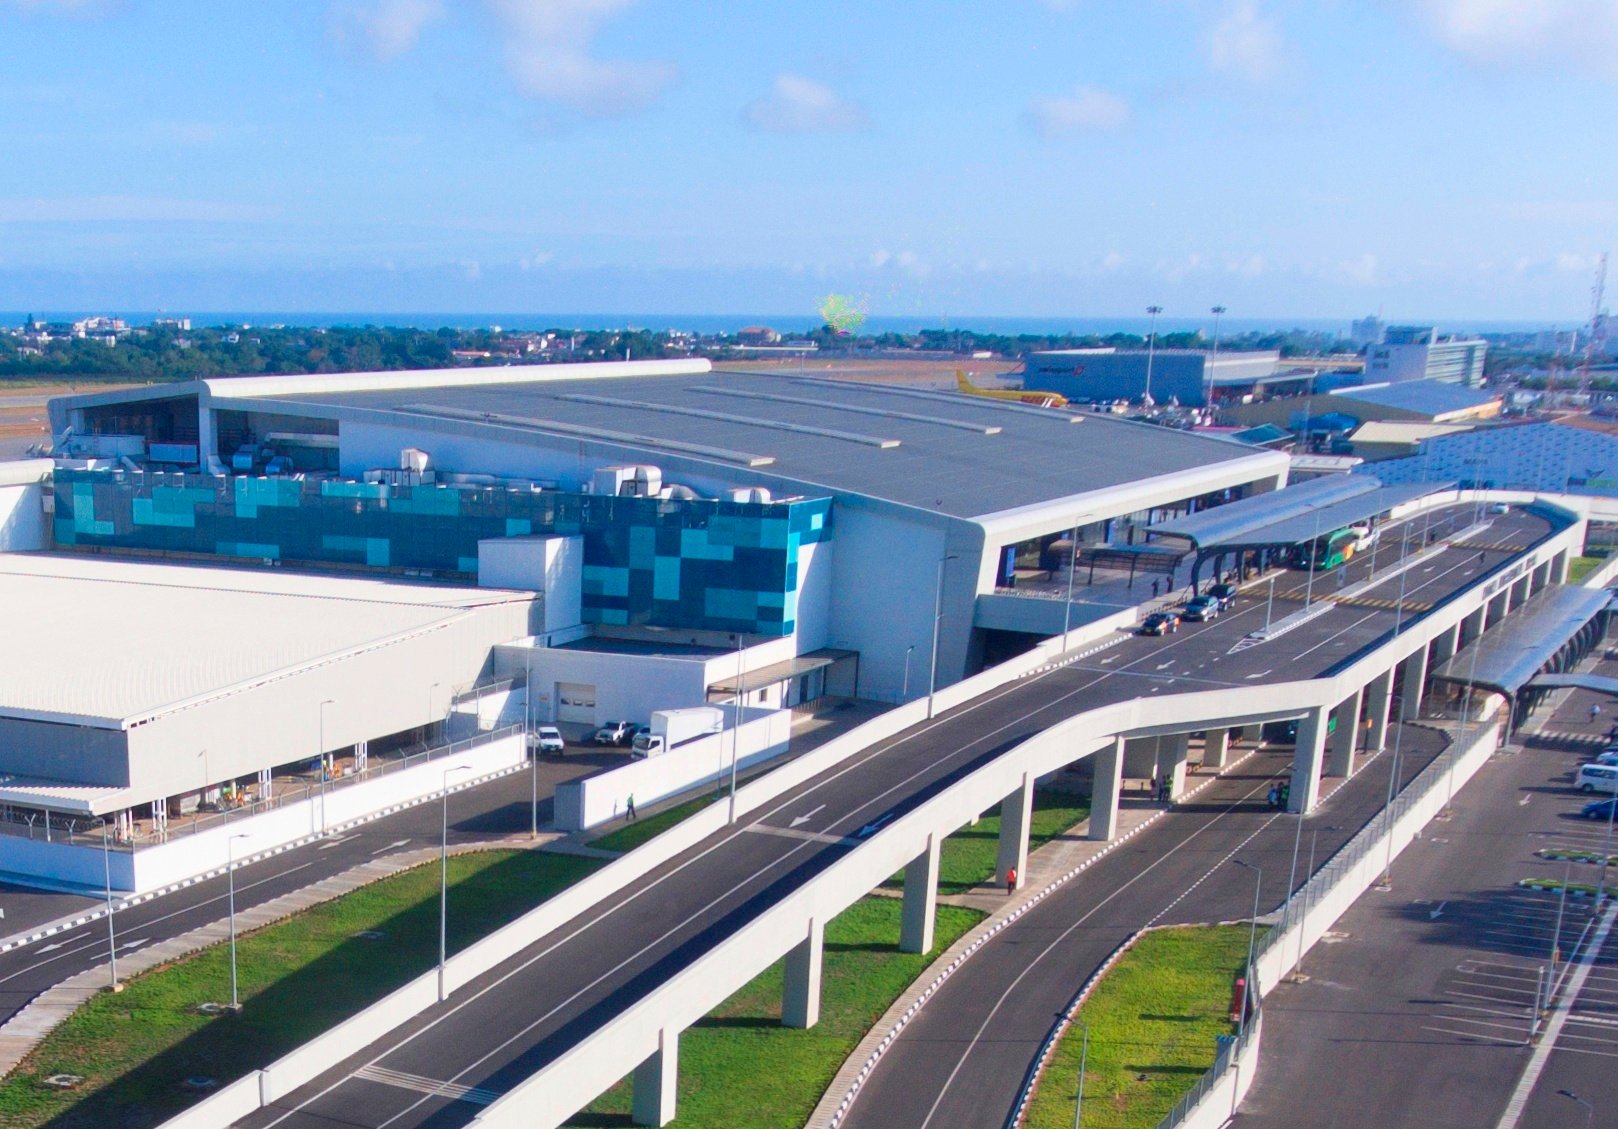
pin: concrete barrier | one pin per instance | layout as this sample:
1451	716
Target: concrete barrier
321	1053
221	1108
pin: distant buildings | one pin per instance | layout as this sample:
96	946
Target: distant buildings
1366	331
1183	375
1410	352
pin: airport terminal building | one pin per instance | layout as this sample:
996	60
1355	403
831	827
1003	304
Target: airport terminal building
314	570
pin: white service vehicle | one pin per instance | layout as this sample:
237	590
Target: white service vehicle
672	728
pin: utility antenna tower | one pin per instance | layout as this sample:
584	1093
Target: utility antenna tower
1595	334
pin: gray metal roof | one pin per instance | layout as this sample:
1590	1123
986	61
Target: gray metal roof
1234	523
1430	397
941	451
1507	657
1297	529
100	641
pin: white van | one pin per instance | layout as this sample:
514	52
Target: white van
1597	778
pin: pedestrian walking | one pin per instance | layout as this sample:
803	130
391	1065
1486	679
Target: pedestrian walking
1154	589
629	805
1164	788
1275	796
1480	558
1595	712
1011	880
1286	793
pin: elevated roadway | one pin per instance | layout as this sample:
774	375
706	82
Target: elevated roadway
594	983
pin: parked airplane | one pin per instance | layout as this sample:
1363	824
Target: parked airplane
1037	399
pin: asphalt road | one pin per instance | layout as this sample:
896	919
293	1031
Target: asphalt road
962	1061
608	957
498	808
1419	1013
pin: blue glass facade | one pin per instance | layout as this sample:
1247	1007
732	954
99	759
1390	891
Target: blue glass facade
709	565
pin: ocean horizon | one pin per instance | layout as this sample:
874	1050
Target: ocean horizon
729	323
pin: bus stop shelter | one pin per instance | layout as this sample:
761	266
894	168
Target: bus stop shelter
1257	529
1548	636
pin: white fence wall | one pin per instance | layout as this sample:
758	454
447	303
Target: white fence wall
762	736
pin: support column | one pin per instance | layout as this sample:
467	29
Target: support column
1215	747
655	1081
264	784
1378	700
1307	762
1171	758
800	990
1253	734
1346	736
1015	812
1446	644
1106	784
921	900
1413	680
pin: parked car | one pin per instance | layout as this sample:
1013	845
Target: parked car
1224	593
1599	809
1500	508
615	733
1597	778
547	739
1200	609
1160	623
1607	757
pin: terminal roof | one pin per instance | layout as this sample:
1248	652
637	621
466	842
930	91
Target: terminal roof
1429	397
1506	658
964	456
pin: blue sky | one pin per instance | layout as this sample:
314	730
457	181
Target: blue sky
1430	158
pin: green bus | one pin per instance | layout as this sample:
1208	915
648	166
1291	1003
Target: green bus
1327	551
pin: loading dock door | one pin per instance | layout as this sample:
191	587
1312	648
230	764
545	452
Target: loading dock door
576	701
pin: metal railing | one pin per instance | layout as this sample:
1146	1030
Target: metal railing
1366	841
1230	1050
86	830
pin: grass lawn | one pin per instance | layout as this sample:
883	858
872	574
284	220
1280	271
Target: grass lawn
631	835
1152	1022
966	859
1580	567
297	978
739	1066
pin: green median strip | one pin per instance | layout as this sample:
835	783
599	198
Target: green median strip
135	1050
739	1066
631	835
1153	1020
967	858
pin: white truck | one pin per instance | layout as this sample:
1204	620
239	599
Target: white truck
673	728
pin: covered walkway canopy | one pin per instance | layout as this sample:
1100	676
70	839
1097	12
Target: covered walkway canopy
1596	682
1283	519
1550	634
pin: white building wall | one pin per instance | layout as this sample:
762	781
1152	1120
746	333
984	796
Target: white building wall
882	603
392	687
22	505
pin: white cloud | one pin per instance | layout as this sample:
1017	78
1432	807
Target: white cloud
1113	260
1087	108
1557	32
386	29
549	50
537	260
1245	43
1362	270
1252	266
471	270
1577	263
800	105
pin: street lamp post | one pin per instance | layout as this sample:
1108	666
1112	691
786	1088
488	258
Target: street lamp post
1292	874
735	726
112	940
1589	1110
1208	396
1151	349
323	769
1072	566
1252	938
904	689
443	882
938	614
1606	850
1308	880
1561	908
1084	1055
528	741
230	878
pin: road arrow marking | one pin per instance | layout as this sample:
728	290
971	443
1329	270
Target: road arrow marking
1433	914
329	844
1165	666
807	816
391	846
874	826
52	948
134	944
1260	674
